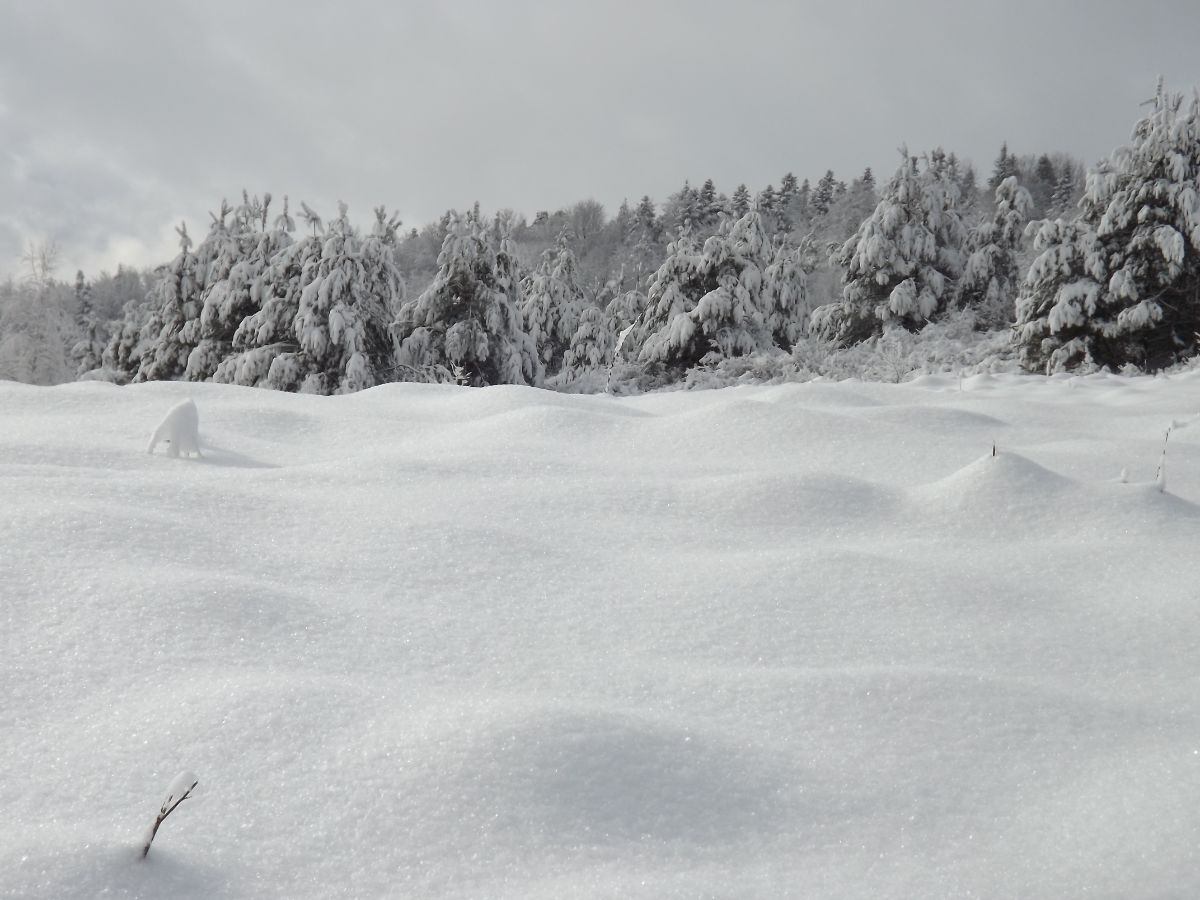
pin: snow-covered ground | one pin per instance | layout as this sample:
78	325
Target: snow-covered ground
802	641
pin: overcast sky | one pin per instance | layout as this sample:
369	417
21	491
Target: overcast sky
120	118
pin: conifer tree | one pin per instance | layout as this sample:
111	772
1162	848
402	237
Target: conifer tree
710	304
237	289
552	303
989	281
468	320
1004	167
344	311
901	265
822	195
266	349
1120	284
88	351
174	302
740	201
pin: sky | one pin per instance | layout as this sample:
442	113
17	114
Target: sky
120	119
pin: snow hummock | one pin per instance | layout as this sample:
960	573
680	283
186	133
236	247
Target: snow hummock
811	640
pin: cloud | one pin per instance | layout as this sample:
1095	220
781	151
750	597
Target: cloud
121	118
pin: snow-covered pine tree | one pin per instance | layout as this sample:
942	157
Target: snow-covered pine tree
990	279
592	344
708	208
823	193
1121	284
344	312
785	289
88	351
266	349
901	265
711	305
740	201
174	303
552	302
237	291
125	348
1004	167
468	319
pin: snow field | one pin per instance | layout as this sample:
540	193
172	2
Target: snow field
799	641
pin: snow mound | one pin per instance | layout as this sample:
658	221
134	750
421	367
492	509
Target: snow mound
1001	491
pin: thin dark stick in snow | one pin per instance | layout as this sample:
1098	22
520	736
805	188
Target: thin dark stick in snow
175	796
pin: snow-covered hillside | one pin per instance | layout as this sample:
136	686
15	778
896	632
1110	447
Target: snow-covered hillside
801	641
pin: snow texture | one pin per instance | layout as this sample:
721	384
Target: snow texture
810	640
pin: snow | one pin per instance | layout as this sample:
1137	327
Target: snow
811	640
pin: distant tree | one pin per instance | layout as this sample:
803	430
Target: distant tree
822	195
34	323
88	351
1004	167
740	201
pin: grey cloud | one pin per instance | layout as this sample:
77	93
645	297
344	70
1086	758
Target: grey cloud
131	114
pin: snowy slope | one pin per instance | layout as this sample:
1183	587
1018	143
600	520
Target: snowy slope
800	641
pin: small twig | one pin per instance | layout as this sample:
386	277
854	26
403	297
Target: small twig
167	808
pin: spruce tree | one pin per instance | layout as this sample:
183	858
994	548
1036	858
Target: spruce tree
822	195
740	201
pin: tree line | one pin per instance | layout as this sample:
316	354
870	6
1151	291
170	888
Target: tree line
1085	268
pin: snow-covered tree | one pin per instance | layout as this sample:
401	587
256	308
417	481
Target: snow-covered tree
552	303
710	304
592	345
785	289
740	201
901	265
468	320
174	303
990	279
266	351
235	290
33	330
1121	283
88	351
344	311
